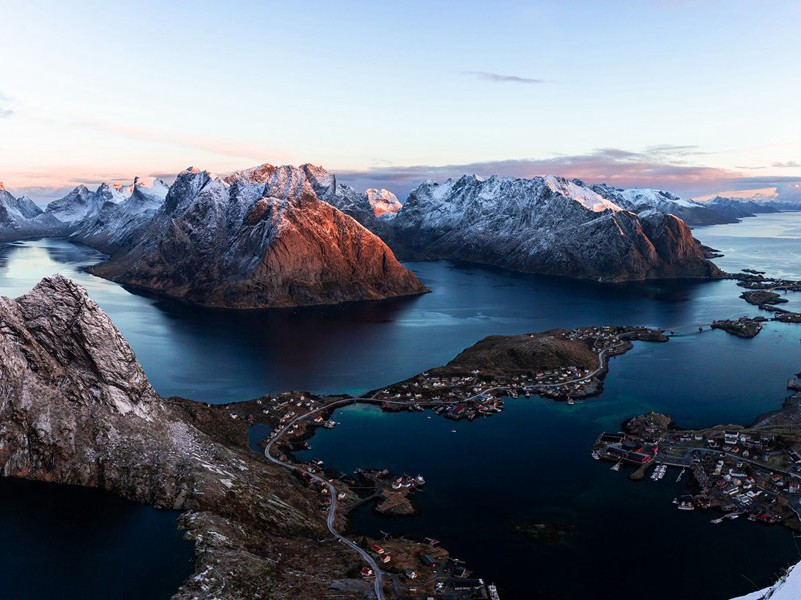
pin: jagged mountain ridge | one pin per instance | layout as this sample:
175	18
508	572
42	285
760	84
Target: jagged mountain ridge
98	213
258	238
120	219
16	214
495	232
547	225
639	200
740	208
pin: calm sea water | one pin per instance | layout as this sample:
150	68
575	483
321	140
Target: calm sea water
530	463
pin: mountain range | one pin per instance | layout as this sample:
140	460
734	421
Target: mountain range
287	236
547	225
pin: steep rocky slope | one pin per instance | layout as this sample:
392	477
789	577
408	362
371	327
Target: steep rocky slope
258	238
78	409
545	225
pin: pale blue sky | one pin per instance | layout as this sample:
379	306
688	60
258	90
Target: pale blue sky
108	90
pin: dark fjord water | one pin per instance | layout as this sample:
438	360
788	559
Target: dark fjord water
530	463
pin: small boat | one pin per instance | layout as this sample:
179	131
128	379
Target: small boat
570	401
595	455
616	466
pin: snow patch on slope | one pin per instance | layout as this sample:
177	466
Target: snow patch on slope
787	588
583	195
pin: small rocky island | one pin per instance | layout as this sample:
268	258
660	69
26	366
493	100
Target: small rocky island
744	327
759	297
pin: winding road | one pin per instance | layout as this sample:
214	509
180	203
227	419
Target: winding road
378	585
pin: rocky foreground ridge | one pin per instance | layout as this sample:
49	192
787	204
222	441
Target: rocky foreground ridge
78	409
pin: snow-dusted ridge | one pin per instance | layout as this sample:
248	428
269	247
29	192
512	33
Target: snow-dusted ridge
546	225
787	588
576	190
639	200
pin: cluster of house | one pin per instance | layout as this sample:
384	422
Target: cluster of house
739	471
618	447
321	421
484	405
756	446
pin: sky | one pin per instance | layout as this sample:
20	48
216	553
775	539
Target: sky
693	96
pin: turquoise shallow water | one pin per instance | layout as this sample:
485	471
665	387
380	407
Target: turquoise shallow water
531	462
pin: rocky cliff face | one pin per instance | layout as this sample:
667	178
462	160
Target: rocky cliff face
544	225
383	202
256	239
77	409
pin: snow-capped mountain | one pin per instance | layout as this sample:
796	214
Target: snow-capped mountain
255	239
739	208
545	225
79	204
761	203
642	199
17	216
383	202
370	208
123	215
13	209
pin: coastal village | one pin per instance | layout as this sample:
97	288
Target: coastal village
560	364
753	473
750	472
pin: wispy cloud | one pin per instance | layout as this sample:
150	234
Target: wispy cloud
4	111
499	78
790	164
233	148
